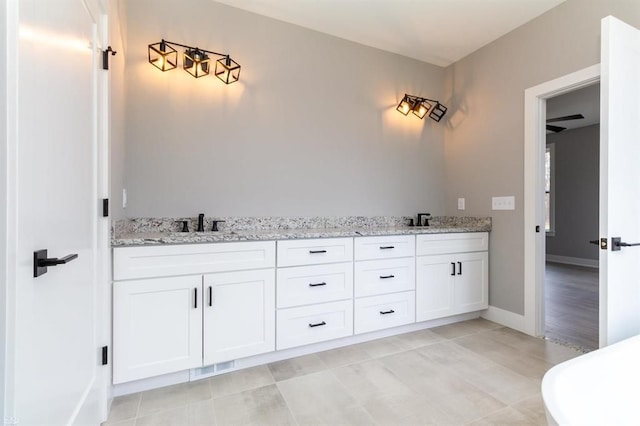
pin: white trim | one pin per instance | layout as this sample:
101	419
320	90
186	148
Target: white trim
551	147
578	261
192	375
534	143
506	318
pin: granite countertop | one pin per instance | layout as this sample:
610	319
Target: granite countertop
151	237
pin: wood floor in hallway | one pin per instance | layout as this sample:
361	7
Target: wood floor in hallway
571	310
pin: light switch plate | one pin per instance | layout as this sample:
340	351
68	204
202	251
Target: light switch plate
503	203
460	203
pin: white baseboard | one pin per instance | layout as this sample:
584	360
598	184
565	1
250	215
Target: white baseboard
506	318
589	263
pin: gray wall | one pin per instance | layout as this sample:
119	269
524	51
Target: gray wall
3	205
310	128
577	176
484	142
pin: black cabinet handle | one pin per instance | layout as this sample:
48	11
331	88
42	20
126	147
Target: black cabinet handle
317	251
317	284
386	247
195	298
384	277
453	268
317	324
459	268
210	295
390	311
41	261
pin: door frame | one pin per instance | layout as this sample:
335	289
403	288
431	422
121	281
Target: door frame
535	111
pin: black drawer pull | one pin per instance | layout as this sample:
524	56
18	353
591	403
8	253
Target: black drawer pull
384	277
317	251
459	268
210	296
317	284
195	298
453	268
390	311
386	247
318	324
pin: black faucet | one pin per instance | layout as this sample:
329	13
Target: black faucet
214	228
424	222
200	222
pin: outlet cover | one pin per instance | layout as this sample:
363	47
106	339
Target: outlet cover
460	203
503	203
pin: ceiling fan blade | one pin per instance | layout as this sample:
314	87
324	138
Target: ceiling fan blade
555	129
566	118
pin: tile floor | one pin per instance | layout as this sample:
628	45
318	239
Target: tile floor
473	372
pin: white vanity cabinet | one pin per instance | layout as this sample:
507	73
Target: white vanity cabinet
239	315
157	326
315	291
180	307
384	282
452	274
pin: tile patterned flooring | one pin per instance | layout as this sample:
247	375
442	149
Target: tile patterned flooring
473	372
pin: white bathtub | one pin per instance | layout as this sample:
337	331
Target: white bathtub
598	388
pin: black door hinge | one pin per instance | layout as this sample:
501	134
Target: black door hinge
105	355
105	57
105	207
537	228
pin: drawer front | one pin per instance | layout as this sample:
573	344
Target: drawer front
169	260
316	323
374	277
305	285
379	312
452	243
386	247
315	252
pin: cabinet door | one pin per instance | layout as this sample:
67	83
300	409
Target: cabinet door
435	278
471	286
239	315
157	327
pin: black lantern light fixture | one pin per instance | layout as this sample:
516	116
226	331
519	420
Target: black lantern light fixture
195	61
421	107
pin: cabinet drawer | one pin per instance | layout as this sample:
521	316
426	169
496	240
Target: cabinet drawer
314	252
374	277
452	243
169	260
315	323
390	310
384	247
305	285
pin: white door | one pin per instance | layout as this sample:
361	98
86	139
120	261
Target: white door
157	326
619	181
239	315
471	290
53	348
435	276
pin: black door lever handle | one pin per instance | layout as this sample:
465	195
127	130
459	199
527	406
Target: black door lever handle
596	242
41	261
617	244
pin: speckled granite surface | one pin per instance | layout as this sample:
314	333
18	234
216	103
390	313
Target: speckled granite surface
154	231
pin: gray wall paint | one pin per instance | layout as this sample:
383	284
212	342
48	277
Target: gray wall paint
577	176
4	297
310	129
484	142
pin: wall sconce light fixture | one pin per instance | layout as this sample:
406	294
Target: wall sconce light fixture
421	107
195	61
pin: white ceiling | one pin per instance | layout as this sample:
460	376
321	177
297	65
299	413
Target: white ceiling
585	101
435	31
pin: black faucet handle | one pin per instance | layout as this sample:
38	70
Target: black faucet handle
200	222
214	228
185	225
